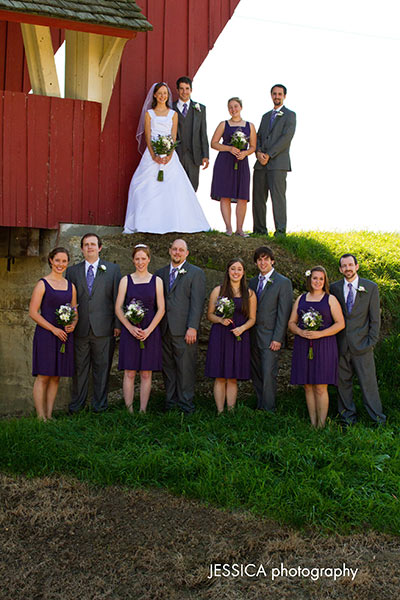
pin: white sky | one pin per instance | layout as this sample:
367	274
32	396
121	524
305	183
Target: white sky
340	63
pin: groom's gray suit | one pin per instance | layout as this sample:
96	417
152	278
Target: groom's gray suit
193	140
273	311
184	304
356	350
275	141
94	333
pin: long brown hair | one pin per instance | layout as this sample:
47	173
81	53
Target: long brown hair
226	288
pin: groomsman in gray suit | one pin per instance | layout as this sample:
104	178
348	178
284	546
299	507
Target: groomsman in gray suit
273	162
184	291
96	282
359	299
274	304
193	150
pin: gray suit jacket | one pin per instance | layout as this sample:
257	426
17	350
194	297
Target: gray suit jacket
363	323
275	141
98	310
273	310
184	303
200	148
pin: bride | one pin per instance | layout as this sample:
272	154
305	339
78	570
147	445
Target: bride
161	206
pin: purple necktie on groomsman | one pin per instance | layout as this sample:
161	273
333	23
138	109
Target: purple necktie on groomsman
272	119
350	298
172	277
185	109
260	286
90	279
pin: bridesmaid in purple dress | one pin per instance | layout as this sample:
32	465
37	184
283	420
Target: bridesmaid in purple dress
315	353
231	175
140	285
49	363
228	359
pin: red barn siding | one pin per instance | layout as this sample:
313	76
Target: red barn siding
55	165
49	168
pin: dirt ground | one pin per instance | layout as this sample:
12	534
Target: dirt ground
61	539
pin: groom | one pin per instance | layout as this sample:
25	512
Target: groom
359	299
274	303
192	132
184	291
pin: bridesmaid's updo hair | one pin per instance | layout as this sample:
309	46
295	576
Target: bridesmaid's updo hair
156	88
236	99
142	247
320	270
55	251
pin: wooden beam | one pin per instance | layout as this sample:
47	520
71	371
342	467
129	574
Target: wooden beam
40	58
91	66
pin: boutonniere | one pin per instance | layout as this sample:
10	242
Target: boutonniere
182	271
361	288
197	107
270	281
280	113
102	268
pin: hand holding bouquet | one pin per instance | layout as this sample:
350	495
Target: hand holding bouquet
225	307
312	320
135	312
163	146
239	140
65	315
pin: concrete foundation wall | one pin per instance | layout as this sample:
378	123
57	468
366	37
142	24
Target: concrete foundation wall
17	329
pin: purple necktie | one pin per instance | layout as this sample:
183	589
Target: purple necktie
185	109
260	286
172	277
272	119
350	299
90	279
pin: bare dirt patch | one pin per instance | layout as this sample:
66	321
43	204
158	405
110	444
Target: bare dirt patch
64	540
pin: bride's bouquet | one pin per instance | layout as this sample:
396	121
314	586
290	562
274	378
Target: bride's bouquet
135	312
163	146
225	307
312	320
65	315
239	140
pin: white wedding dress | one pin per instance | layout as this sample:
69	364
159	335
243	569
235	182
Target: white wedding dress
162	206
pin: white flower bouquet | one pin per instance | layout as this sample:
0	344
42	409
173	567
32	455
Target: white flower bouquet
135	312
163	145
225	307
312	320
239	140
65	315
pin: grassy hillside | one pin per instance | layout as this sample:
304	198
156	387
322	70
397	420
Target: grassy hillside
271	465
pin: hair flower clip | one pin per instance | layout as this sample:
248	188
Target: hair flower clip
307	273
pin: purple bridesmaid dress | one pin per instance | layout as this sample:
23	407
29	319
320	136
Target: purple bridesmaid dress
228	182
46	357
323	368
226	357
131	356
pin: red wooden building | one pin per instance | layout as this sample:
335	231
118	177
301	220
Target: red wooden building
70	159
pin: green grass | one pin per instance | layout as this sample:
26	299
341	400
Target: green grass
272	465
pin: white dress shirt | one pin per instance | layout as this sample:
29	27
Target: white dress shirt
94	265
346	287
180	104
267	277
